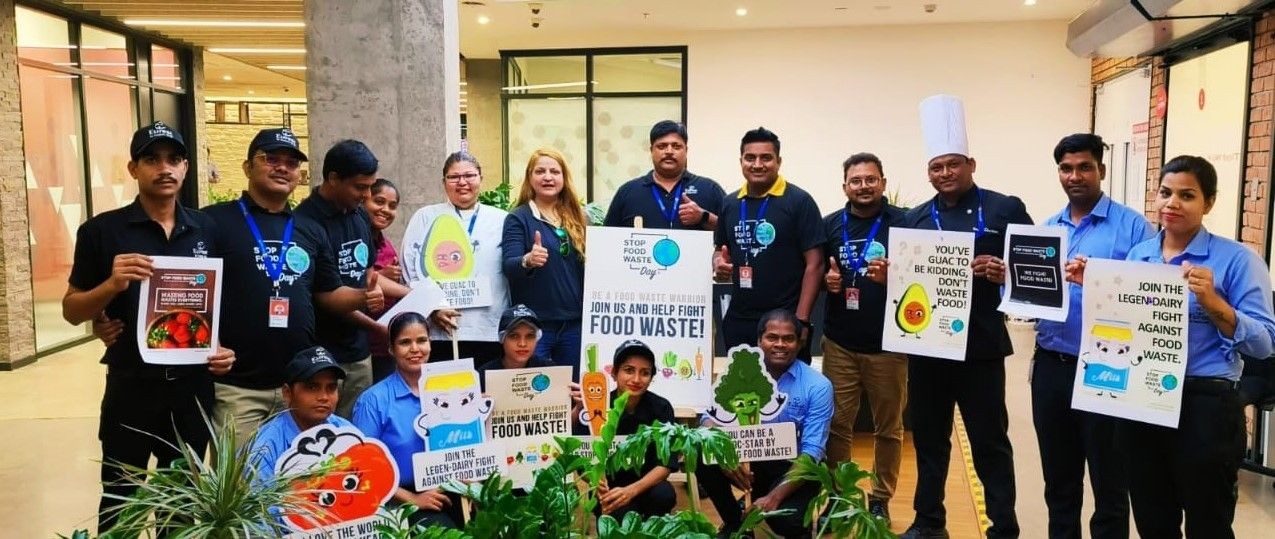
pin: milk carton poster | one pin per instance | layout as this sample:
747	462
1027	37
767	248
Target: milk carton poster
452	423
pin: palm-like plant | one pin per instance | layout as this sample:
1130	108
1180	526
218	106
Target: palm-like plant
847	503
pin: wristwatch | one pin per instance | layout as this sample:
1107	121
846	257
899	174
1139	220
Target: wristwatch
703	219
806	324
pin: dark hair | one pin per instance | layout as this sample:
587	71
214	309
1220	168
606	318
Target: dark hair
761	134
615	365
461	156
1080	142
860	158
1199	167
404	319
664	128
349	158
778	315
382	183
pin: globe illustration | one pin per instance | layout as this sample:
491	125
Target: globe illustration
540	382
666	252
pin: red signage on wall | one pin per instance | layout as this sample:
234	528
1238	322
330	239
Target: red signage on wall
1161	102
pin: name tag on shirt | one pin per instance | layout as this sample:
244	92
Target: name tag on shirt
852	299
279	308
745	276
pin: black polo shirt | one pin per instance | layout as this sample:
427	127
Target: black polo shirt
534	362
988	337
129	230
649	409
857	330
350	241
260	350
779	266
635	198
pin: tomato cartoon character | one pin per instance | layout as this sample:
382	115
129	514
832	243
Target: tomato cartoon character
362	478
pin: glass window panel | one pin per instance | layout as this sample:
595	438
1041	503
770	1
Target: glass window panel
165	69
109	109
104	52
55	198
546	123
621	139
545	75
43	37
658	72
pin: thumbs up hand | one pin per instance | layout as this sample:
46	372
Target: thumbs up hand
689	213
723	269
375	297
832	280
538	256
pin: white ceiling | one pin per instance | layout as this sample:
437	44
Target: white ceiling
565	21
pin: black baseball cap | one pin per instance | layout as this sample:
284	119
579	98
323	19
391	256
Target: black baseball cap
144	137
310	362
279	138
633	347
518	314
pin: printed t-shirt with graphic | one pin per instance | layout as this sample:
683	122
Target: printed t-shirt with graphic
857	329
350	241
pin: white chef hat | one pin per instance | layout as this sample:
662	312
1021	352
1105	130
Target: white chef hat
943	125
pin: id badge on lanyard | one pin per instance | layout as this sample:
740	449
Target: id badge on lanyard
278	307
760	230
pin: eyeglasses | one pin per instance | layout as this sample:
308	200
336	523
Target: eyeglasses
290	163
564	241
456	179
870	181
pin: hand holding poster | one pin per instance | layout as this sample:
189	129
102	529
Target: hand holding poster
532	406
448	258
344	501
1133	341
453	411
178	310
1035	285
655	286
928	292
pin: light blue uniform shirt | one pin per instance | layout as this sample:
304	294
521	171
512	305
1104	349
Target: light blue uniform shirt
387	411
1109	231
1241	278
809	406
275	437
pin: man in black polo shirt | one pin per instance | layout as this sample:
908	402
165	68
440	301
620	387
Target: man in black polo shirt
145	408
349	170
668	196
770	245
976	384
853	322
269	310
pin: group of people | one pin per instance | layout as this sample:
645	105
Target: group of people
329	269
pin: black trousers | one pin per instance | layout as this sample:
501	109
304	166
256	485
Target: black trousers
1069	439
658	500
935	388
144	410
1191	470
766	476
737	330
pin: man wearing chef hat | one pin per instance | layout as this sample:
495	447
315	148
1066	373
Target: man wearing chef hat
977	384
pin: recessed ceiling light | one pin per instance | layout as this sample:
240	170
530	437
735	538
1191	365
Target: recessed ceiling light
196	23
840	8
483	19
286	68
1029	2
741	11
250	92
227	77
254	50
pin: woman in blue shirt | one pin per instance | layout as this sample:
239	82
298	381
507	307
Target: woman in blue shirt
543	248
1192	470
387	411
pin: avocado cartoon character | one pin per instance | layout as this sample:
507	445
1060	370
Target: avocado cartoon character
448	255
746	390
913	312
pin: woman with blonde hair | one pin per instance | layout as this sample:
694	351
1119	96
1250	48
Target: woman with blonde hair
543	250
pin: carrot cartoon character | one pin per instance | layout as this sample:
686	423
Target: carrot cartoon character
593	386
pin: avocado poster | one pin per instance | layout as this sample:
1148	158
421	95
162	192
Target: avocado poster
1034	285
179	309
1133	344
928	293
532	407
654	285
448	259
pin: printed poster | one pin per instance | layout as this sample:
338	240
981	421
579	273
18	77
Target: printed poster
453	412
177	315
345	501
1133	341
745	394
1035	281
448	258
425	298
767	441
532	407
928	293
656	286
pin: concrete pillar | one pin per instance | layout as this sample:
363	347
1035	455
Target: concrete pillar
483	130
17	318
386	72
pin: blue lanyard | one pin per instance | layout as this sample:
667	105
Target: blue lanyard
743	209
857	262
668	213
981	225
273	270
472	218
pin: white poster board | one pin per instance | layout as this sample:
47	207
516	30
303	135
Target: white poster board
654	285
532	407
928	293
179	310
1035	284
1133	342
767	441
452	423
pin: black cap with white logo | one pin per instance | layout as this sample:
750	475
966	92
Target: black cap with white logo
144	137
279	138
633	347
310	362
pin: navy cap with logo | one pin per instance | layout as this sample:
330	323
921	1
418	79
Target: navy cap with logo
631	348
143	138
279	138
518	314
310	362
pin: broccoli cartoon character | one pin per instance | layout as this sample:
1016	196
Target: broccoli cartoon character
746	390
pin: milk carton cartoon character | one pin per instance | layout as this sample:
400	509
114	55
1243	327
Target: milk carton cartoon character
452	410
1108	361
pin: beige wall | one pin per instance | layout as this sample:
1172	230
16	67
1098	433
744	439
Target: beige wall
228	144
483	93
